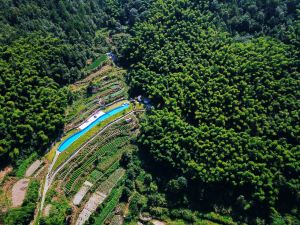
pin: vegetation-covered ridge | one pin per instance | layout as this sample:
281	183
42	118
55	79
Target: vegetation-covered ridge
44	46
227	117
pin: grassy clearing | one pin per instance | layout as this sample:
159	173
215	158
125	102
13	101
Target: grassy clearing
96	63
68	152
51	154
139	106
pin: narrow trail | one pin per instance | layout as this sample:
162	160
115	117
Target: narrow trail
47	183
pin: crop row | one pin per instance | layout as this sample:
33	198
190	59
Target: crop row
107	95
107	173
88	164
97	178
84	167
110	159
94	175
91	103
109	206
87	152
99	141
106	186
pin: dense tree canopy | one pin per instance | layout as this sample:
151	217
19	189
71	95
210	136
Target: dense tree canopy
255	17
31	104
73	22
227	114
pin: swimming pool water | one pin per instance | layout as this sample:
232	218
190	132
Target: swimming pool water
77	135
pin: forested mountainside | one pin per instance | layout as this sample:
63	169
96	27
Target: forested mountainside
74	22
224	79
220	143
45	45
276	18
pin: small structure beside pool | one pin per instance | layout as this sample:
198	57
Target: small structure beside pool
94	122
91	120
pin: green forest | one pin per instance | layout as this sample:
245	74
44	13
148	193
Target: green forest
223	78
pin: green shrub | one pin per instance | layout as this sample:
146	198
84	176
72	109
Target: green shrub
32	192
109	206
185	214
24	214
20	216
58	213
24	164
159	211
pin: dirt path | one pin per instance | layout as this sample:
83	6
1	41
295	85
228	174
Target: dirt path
19	191
47	182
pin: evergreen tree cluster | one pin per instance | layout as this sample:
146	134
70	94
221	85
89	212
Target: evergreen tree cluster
227	103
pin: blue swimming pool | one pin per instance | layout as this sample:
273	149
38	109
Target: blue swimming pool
77	135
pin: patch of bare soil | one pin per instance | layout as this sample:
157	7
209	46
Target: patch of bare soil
158	222
82	192
5	194
90	207
4	172
19	191
47	210
33	167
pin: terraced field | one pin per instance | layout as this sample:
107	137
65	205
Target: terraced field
98	164
91	175
98	156
108	87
